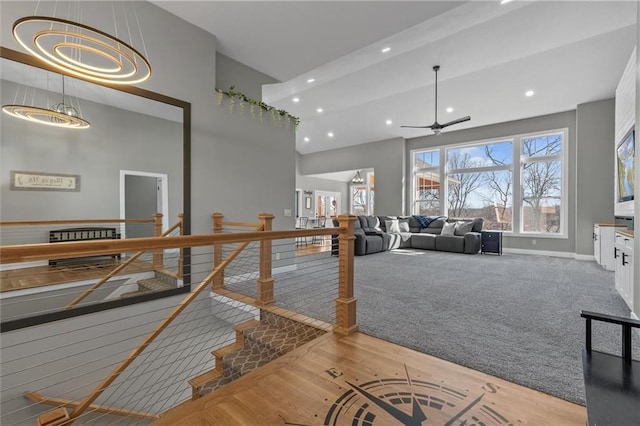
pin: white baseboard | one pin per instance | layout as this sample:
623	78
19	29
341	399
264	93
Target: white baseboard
10	266
566	254
585	257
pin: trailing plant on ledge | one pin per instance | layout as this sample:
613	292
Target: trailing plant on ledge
257	108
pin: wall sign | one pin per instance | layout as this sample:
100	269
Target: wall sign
40	181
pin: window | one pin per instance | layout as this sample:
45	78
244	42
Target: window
480	183
363	196
542	183
426	183
515	184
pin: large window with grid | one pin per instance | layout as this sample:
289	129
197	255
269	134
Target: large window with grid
516	184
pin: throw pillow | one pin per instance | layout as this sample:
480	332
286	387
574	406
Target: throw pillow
404	226
376	225
463	227
392	226
448	228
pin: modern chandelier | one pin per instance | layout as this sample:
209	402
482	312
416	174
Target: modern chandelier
82	51
357	179
62	114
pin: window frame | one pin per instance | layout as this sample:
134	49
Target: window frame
516	168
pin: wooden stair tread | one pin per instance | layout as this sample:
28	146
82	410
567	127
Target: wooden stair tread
220	353
205	377
153	284
246	325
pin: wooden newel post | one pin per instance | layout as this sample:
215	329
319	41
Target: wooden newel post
181	254
346	302
265	282
158	261
218	280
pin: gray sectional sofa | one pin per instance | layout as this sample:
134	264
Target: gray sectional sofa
375	234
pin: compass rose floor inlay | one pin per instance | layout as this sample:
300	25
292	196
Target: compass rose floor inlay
362	380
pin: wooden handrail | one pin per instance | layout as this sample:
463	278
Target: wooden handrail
115	271
65	250
87	401
241	224
71	221
345	303
62	402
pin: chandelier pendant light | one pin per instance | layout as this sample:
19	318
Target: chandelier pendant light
62	114
82	51
357	179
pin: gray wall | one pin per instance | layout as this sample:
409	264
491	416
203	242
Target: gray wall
595	123
534	124
230	72
385	157
117	140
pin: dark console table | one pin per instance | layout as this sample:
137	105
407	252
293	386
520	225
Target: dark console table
82	234
491	242
611	381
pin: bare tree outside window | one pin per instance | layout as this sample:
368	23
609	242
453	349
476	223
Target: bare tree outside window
541	184
461	185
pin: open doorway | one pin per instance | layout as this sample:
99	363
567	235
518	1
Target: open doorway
141	195
328	205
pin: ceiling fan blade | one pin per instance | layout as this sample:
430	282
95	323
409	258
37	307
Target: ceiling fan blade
417	127
459	120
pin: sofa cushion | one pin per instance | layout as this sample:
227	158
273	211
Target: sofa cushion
450	243
449	228
424	241
392	226
462	227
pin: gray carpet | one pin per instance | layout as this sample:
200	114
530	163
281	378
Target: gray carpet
513	316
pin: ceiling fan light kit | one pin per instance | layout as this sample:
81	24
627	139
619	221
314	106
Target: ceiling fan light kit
437	127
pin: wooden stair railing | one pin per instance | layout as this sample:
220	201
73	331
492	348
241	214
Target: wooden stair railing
87	401
129	261
345	302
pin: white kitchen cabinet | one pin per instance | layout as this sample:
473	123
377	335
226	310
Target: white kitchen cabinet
603	244
624	265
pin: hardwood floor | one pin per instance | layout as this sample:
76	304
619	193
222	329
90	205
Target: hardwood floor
362	380
40	276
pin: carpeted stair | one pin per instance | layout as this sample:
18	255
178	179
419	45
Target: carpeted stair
161	281
257	343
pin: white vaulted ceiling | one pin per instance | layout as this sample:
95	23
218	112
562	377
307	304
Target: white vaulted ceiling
567	52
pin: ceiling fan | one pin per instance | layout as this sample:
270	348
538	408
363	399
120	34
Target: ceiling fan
437	127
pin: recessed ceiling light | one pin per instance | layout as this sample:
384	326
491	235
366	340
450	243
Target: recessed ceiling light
389	122
386	49
330	134
529	93
306	139
449	109
296	100
311	80
505	1
320	110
